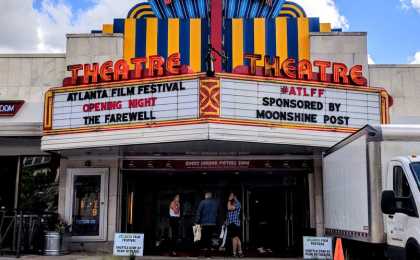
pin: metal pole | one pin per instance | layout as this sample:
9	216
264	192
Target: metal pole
15	223
19	235
244	208
17	184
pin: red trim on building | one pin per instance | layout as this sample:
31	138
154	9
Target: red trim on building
216	31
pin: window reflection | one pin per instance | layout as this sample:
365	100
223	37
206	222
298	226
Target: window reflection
86	205
39	183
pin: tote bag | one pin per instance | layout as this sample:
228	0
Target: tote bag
197	233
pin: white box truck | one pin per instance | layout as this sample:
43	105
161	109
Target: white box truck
371	188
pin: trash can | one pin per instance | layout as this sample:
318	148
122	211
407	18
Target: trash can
56	243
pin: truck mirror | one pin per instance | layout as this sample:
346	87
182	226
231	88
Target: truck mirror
388	203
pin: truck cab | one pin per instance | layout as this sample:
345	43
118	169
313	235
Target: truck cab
400	205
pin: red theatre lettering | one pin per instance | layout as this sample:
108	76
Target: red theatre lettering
157	66
305	70
154	66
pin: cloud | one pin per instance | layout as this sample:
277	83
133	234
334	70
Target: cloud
371	60
407	4
43	29
416	58
17	31
327	11
416	4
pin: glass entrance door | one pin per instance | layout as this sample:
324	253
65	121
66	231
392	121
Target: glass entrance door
274	214
275	219
88	200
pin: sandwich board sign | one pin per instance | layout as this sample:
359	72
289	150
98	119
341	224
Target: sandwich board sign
128	244
317	248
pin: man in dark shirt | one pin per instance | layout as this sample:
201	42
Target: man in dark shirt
207	217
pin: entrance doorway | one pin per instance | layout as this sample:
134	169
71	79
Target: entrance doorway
275	213
147	200
87	194
276	219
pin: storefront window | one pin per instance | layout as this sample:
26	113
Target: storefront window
38	184
8	168
86	213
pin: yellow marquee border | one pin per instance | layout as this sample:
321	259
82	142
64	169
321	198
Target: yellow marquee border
49	100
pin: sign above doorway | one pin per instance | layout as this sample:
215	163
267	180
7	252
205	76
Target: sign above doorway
10	107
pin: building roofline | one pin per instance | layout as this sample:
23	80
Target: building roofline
32	55
396	66
93	35
339	33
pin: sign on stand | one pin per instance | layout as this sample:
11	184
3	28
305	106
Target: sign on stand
317	248
128	244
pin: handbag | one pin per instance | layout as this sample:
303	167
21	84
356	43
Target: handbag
197	233
223	235
223	231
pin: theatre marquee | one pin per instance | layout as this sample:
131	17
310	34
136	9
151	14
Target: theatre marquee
182	107
122	105
303	104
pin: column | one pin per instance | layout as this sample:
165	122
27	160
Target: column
319	198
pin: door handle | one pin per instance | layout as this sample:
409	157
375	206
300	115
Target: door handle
390	216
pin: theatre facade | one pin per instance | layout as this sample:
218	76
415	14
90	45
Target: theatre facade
183	98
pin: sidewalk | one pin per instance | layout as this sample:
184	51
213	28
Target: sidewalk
91	257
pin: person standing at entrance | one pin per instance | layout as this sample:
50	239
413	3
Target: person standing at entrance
207	217
234	224
174	217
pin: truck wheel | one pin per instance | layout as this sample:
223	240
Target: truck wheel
412	253
360	251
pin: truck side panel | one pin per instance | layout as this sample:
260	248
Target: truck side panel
346	205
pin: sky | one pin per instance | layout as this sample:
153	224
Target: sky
39	26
